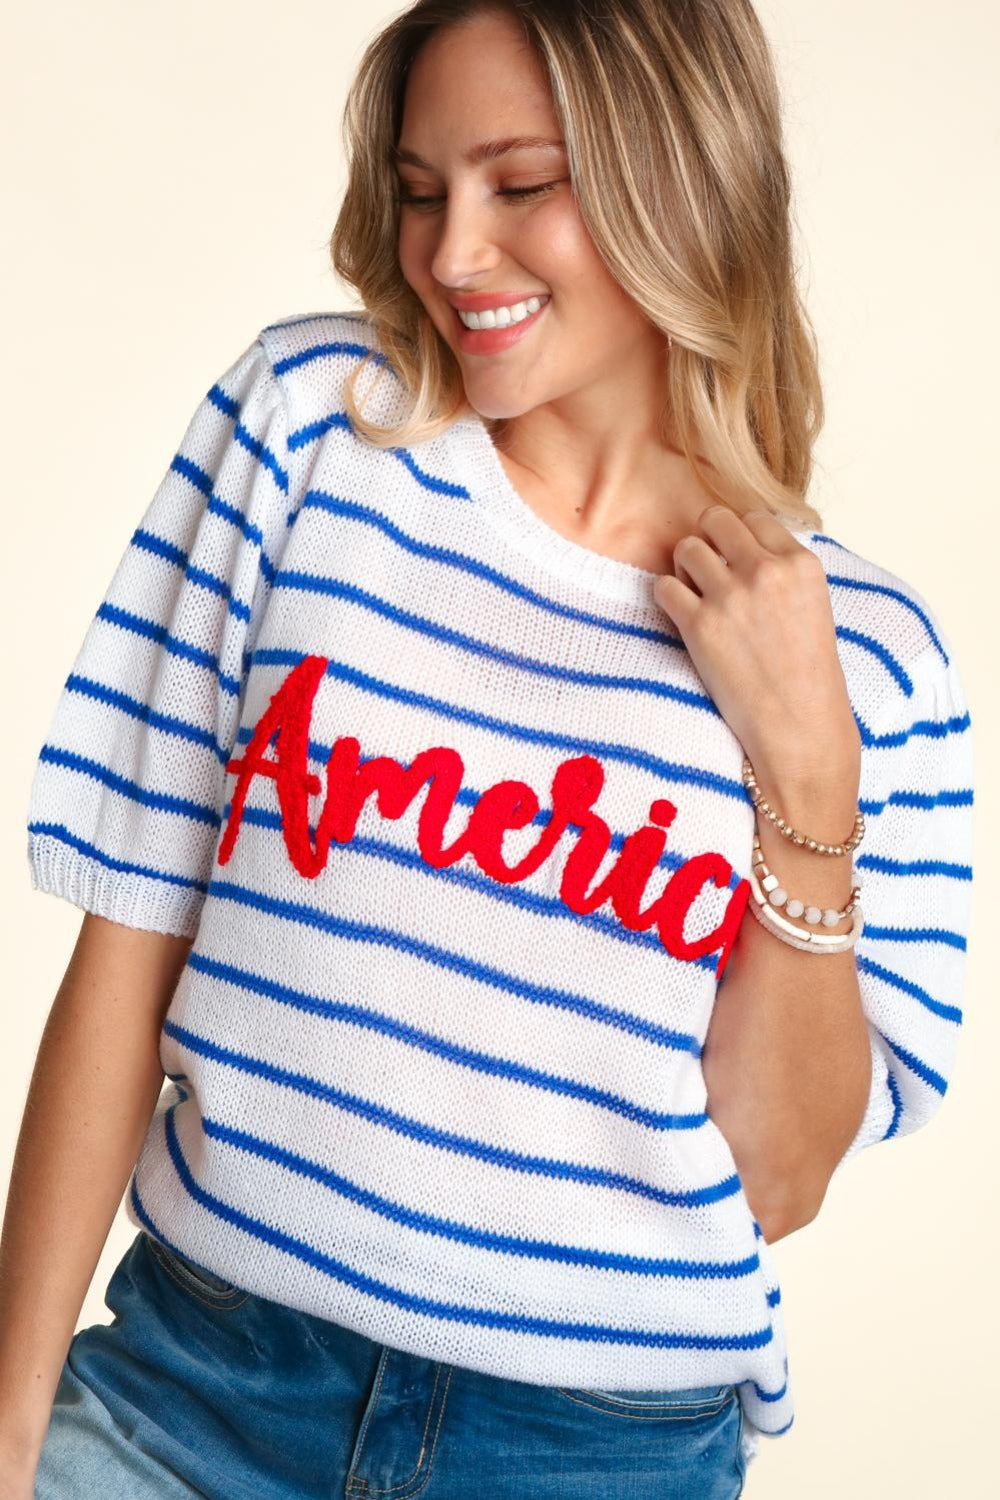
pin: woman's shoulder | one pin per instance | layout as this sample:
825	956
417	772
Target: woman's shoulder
879	613
895	650
314	354
299	332
307	341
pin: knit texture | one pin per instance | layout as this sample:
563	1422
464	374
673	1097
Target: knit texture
463	846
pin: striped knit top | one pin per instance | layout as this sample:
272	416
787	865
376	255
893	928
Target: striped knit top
463	848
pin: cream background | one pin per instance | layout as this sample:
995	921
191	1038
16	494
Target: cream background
171	176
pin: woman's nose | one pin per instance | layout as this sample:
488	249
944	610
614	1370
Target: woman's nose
466	244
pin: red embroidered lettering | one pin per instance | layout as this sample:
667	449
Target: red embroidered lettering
287	715
576	785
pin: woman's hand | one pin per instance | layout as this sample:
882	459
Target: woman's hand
753	607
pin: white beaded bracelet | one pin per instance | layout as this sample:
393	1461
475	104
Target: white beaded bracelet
778	896
795	937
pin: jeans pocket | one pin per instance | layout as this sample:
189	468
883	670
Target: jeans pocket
693	1403
194	1278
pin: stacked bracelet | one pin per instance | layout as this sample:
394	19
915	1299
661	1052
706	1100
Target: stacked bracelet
768	893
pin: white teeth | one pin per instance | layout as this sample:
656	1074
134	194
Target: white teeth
502	317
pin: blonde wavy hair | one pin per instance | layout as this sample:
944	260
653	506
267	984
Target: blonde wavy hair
671	115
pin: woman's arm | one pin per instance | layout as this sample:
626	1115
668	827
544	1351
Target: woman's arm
95	1084
787	1059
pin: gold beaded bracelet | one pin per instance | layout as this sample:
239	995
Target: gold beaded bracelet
756	796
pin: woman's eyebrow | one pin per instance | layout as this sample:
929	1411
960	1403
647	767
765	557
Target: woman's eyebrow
485	150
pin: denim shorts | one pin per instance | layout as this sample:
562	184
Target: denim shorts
200	1388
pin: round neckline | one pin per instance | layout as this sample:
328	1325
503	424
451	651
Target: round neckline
487	480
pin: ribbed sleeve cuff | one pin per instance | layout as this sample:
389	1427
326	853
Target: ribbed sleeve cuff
134	900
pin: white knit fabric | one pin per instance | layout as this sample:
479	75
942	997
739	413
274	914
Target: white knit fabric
442	1105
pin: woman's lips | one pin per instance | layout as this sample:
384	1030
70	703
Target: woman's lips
493	340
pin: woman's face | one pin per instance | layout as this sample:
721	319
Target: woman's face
479	82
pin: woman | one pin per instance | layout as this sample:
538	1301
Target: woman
449	626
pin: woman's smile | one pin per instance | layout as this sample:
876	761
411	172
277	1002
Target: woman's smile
519	320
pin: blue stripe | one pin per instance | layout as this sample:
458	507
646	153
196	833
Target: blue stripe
225	403
897	1104
923	1071
113	614
60	832
907	986
445	1311
263	455
143	1215
146	541
303	436
464	1234
450	1140
340	420
230	408
369	1019
935	729
886	866
927	728
513	984
330	350
287	578
917	935
235	517
880	652
316	584
87	687
203	482
369	932
193	473
317	498
429	481
772	1396
862	585
458	962
961	796
161	801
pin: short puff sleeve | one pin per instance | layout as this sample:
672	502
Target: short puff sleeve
126	799
914	866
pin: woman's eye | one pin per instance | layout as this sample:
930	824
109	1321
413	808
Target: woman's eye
513	194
